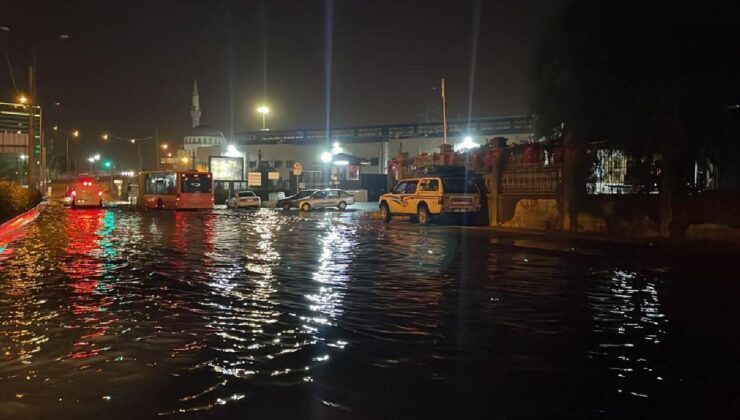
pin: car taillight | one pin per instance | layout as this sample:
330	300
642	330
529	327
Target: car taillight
177	197
74	193
100	193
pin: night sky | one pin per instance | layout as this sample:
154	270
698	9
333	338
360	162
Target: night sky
128	66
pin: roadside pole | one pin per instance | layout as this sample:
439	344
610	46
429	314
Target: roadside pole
31	137
444	112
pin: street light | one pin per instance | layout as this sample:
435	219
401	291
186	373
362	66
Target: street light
23	99
75	134
326	157
264	110
104	137
336	148
466	144
164	146
92	159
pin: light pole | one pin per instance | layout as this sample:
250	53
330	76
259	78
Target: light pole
264	110
164	149
109	165
75	134
92	159
27	102
33	103
133	141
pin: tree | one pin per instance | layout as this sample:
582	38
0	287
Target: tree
645	77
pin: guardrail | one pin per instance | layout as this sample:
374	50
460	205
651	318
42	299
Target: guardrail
16	223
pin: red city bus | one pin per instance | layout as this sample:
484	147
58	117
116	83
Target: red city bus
176	190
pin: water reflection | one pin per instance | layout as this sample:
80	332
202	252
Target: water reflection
271	314
630	324
20	306
89	252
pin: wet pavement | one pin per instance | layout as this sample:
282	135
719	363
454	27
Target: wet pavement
268	314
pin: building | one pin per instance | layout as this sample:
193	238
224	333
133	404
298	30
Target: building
200	135
365	150
14	141
346	157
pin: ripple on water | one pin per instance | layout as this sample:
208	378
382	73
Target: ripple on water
173	312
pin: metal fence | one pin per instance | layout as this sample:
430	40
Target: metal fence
531	178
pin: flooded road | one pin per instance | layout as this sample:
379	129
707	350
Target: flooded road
265	314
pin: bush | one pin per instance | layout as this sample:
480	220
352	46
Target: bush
15	199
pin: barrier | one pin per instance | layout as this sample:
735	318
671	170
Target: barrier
20	221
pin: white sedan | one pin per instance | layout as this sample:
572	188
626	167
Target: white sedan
244	199
327	198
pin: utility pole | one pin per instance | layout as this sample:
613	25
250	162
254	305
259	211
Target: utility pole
156	147
31	136
66	155
444	112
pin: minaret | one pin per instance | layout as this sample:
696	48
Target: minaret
195	110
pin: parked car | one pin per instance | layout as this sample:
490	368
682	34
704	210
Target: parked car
327	198
67	198
244	199
86	192
427	197
289	202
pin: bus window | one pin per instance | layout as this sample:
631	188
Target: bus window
161	183
194	183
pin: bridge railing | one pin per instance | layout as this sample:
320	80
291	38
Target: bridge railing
482	126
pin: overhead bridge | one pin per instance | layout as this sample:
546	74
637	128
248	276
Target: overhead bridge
494	126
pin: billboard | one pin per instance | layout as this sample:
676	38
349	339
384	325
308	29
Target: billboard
226	168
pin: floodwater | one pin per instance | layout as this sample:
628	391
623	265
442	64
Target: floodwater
264	314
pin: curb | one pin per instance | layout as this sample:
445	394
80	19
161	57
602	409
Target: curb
16	223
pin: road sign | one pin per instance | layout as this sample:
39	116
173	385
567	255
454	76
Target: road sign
297	167
254	179
273	175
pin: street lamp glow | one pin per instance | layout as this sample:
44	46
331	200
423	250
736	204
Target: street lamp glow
76	133
96	156
184	160
466	144
105	136
326	157
23	99
133	141
164	146
91	159
264	110
336	148
231	151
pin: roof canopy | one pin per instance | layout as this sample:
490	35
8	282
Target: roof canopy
345	159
